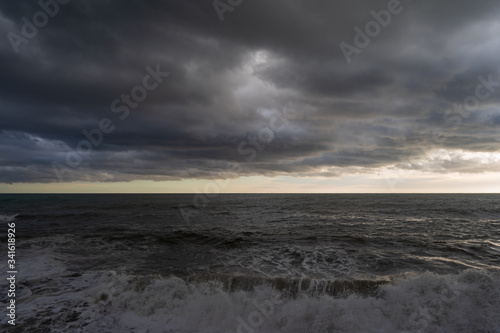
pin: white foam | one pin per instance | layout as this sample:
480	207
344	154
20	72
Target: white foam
113	302
292	260
8	218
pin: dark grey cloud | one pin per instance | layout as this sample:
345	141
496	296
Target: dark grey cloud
230	82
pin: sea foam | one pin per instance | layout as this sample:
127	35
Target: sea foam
109	301
8	218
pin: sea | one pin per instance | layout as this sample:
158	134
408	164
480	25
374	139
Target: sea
153	263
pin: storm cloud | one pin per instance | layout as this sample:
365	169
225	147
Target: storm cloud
268	87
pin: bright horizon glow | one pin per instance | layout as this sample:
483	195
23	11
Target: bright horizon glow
357	183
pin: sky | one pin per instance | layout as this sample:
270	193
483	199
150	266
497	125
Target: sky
249	96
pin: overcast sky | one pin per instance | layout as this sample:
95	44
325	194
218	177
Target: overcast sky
277	96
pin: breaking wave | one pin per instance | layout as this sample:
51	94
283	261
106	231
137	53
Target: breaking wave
109	301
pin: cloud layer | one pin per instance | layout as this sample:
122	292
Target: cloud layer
267	87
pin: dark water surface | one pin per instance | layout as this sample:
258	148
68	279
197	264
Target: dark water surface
320	263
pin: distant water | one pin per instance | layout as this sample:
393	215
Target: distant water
255	263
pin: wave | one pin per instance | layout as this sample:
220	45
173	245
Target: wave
200	238
292	286
8	218
116	302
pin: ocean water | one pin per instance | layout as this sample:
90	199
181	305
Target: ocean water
254	263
